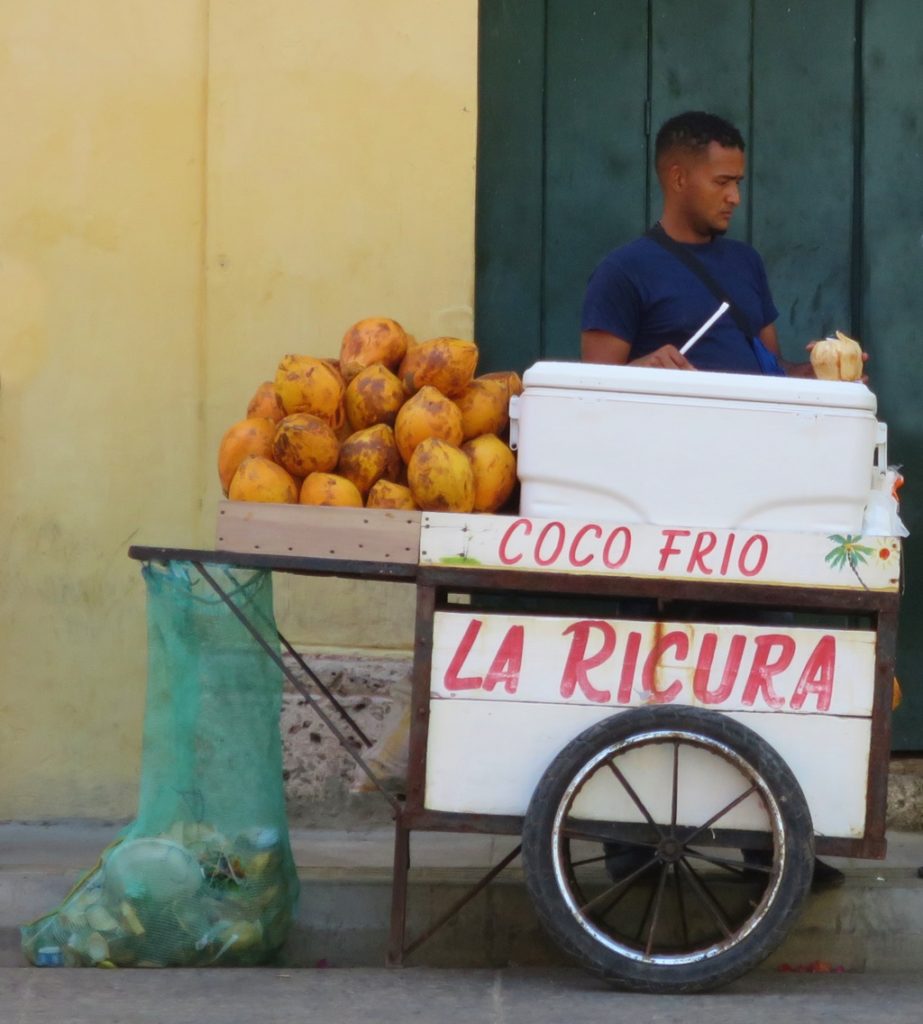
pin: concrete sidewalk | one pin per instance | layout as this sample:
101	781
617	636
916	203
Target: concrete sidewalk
873	923
426	996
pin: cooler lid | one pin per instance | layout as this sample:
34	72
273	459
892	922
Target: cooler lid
733	387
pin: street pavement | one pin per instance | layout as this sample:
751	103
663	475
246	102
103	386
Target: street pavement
423	995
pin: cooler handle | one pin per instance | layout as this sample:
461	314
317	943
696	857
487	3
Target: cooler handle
881	449
514	422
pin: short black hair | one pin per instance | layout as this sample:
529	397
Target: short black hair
694	130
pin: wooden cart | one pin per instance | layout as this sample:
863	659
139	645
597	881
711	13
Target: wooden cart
673	720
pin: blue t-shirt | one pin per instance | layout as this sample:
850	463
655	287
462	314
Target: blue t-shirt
642	293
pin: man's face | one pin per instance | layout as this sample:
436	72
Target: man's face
711	188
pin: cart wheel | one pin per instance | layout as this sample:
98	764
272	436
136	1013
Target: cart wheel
685	790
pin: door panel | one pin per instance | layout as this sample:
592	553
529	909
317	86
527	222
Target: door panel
700	60
508	213
802	164
595	151
892	292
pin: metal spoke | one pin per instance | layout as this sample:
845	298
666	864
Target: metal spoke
574	832
706	898
636	799
715	817
738	867
602	900
618	899
676	889
587	860
646	914
681	903
675	787
662	881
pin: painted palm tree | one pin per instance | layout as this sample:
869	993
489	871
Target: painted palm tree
849	551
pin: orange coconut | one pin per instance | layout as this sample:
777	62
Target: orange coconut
305	444
252	436
428	414
260	479
329	489
373	340
444	363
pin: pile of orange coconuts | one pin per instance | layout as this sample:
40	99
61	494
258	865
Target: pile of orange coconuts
393	424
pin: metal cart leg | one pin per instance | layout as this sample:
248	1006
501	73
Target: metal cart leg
463	901
399	894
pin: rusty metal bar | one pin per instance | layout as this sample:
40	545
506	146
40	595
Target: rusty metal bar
299	565
299	686
466	899
312	675
399	894
419	703
880	747
864	849
309	672
421	820
713	591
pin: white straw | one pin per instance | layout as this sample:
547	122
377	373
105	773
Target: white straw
719	312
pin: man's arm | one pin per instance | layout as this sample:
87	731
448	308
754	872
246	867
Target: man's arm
601	347
770	339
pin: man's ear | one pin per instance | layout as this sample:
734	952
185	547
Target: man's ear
676	177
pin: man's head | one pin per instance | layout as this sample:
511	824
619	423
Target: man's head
700	164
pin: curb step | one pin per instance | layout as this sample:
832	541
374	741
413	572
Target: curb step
872	923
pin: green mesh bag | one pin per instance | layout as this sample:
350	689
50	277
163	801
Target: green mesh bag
204	875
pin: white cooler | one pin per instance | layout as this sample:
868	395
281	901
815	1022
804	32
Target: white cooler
672	447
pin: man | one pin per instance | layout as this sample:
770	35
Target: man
646	299
643	302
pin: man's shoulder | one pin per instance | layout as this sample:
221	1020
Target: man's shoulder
734	249
631	255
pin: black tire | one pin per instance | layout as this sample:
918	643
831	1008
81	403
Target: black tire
744	910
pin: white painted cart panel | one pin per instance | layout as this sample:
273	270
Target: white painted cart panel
510	691
487	757
642	551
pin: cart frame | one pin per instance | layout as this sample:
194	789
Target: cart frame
433	585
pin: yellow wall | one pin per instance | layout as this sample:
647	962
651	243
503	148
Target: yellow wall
341	147
190	189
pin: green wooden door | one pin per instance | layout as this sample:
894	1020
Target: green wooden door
828	93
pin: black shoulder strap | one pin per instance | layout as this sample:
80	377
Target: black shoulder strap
688	259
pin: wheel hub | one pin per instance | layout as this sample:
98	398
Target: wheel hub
670	850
